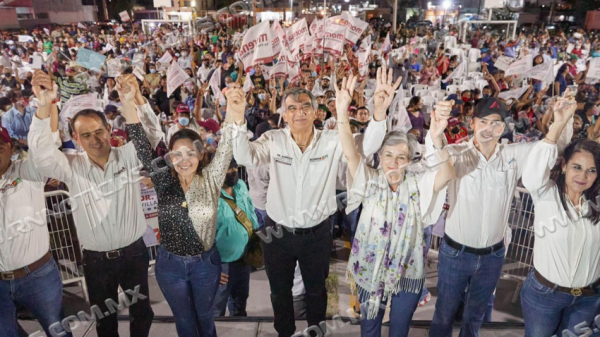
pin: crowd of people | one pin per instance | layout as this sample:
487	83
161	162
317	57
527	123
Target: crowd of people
427	130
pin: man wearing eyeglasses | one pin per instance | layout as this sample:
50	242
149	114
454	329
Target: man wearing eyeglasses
303	165
472	251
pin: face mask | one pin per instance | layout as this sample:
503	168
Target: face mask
123	51
485	95
152	71
14	157
231	179
177	54
7	75
222	102
262	97
184	53
183	121
227	84
206	64
465	99
252	72
455	130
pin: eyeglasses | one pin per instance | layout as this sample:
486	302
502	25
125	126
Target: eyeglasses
305	108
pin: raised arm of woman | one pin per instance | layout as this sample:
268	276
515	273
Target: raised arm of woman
343	98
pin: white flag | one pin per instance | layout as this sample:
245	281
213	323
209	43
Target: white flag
514	94
385	47
47	31
279	40
363	60
296	36
521	66
175	77
256	47
540	72
354	27
215	83
81	25
124	16
399	110
333	39
503	62
594	71
248	84
458	72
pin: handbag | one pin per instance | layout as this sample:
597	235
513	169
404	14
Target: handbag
253	255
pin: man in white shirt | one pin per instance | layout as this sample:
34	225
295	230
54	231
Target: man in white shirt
205	69
303	164
472	252
105	198
185	60
331	122
28	274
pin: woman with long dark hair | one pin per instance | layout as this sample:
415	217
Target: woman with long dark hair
562	291
188	266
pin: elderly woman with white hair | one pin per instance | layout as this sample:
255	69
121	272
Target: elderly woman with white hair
387	260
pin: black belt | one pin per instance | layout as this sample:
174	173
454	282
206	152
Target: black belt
476	251
305	231
133	248
585	291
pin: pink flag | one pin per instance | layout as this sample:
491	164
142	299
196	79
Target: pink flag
355	27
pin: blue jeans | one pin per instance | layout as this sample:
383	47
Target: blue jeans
41	293
261	215
234	294
402	309
458	270
547	312
189	284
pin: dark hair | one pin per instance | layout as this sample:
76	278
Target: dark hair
588	106
195	138
87	113
413	102
590	194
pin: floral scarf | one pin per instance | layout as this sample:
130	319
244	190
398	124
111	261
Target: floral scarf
388	250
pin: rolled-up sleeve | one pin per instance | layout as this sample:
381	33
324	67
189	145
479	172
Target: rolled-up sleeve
48	159
374	135
250	154
151	124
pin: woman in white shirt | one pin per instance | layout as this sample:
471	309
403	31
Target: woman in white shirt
563	291
387	260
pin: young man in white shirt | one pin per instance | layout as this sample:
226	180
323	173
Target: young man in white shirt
105	198
28	274
472	251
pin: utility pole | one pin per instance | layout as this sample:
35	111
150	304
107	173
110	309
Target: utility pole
105	10
395	14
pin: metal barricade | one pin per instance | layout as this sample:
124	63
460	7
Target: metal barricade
519	256
64	244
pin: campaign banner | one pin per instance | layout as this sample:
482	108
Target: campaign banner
363	61
333	39
354	27
503	62
514	94
520	66
594	71
77	103
457	73
175	77
113	67
90	59
542	72
215	84
297	34
256	46
385	46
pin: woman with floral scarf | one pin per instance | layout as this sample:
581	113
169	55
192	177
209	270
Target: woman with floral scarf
388	253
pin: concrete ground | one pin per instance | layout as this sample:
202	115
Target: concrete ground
506	316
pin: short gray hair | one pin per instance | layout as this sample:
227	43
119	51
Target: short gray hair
394	138
295	94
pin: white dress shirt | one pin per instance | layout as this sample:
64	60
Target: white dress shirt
258	181
481	194
24	236
105	203
301	191
566	249
185	61
203	73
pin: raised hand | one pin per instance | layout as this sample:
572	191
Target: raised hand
439	119
44	89
384	90
236	103
343	96
564	107
126	91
